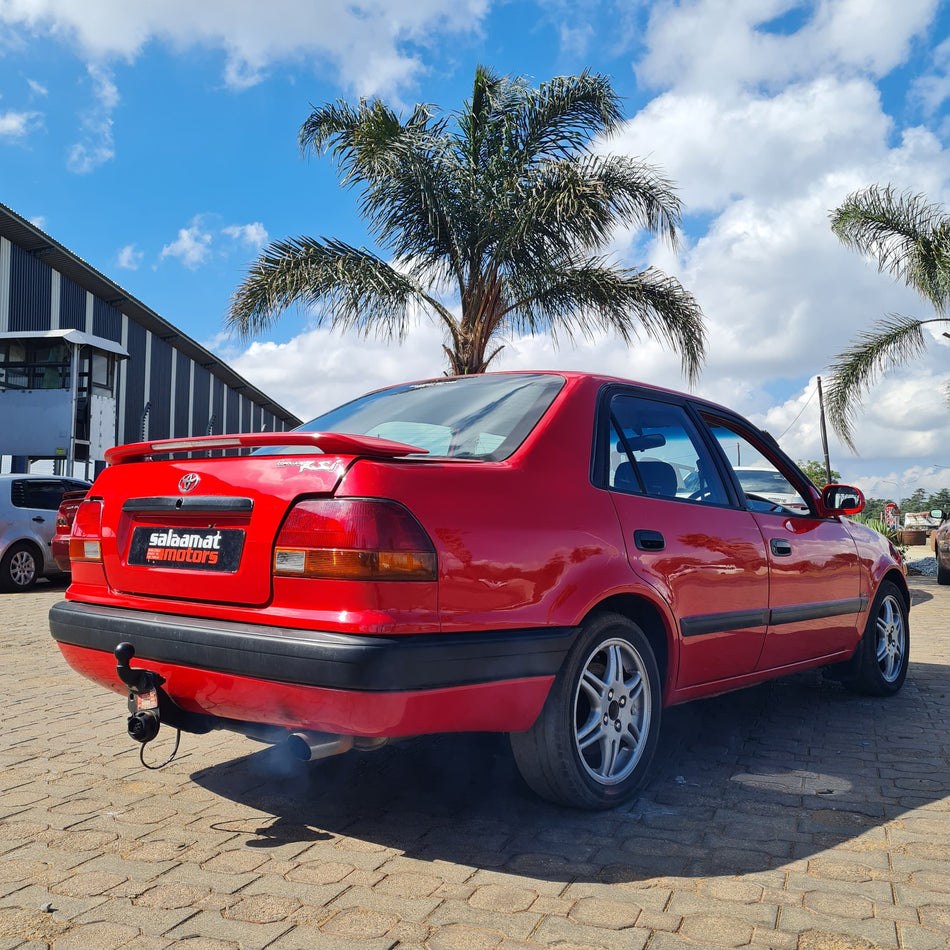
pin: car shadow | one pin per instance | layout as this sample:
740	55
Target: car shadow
743	782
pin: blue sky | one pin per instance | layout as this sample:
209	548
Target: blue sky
158	142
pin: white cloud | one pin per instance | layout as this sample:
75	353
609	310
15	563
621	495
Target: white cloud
192	246
933	88
320	369
17	125
253	234
129	258
765	163
373	46
38	89
718	45
723	148
96	146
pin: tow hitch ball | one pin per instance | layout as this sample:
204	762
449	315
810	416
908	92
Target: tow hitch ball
144	720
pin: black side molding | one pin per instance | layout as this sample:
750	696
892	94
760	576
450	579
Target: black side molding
745	619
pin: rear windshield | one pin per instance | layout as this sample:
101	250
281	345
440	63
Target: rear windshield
472	417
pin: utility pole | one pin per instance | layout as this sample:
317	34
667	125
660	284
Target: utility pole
824	434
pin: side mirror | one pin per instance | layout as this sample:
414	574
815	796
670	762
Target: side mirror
939	514
842	499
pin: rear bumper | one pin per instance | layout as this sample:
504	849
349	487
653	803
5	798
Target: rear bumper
350	684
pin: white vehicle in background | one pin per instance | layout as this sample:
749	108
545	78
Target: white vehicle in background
28	507
769	484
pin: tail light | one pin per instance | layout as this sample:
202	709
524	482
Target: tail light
85	540
354	539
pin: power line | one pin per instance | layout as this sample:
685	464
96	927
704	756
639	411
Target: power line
807	404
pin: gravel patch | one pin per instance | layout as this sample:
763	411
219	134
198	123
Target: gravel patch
926	566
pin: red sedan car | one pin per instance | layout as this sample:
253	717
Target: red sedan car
59	546
557	556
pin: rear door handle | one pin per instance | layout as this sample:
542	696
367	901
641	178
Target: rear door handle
649	540
39	519
780	547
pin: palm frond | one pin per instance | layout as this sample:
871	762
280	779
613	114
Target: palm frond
343	286
364	141
561	116
576	205
592	297
891	342
907	235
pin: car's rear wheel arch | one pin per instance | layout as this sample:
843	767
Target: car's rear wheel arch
649	619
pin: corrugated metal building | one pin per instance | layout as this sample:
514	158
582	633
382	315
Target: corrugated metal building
168	386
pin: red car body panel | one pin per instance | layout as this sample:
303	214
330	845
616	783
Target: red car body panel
59	546
524	545
480	707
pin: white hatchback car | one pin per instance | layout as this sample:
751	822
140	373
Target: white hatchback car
28	506
770	485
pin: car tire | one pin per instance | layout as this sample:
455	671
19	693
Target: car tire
943	573
592	745
883	653
19	567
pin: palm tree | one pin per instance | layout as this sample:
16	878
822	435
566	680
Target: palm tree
498	208
910	237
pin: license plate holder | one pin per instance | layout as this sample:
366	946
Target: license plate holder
187	549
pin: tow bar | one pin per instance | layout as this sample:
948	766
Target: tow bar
150	705
144	718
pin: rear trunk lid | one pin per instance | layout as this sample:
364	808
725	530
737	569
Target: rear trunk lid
203	529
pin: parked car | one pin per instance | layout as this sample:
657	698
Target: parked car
59	546
942	547
28	505
769	484
558	556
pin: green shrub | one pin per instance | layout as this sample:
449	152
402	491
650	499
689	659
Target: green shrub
894	535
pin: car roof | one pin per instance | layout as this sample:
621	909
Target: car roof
574	377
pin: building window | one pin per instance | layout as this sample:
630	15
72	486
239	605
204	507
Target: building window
34	364
102	370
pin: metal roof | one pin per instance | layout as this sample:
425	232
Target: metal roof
76	337
21	232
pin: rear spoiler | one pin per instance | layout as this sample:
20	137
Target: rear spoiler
330	443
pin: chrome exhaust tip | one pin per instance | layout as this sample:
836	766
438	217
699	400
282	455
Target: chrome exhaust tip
307	746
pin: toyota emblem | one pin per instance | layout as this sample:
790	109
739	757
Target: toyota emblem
189	482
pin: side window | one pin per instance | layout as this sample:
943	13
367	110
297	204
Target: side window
765	486
37	493
655	450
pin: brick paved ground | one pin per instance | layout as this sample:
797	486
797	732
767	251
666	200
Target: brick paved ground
792	815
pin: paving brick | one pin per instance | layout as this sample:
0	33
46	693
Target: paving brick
807	817
719	931
560	931
611	915
263	909
880	933
211	924
557	906
151	921
690	905
455	937
506	900
407	884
